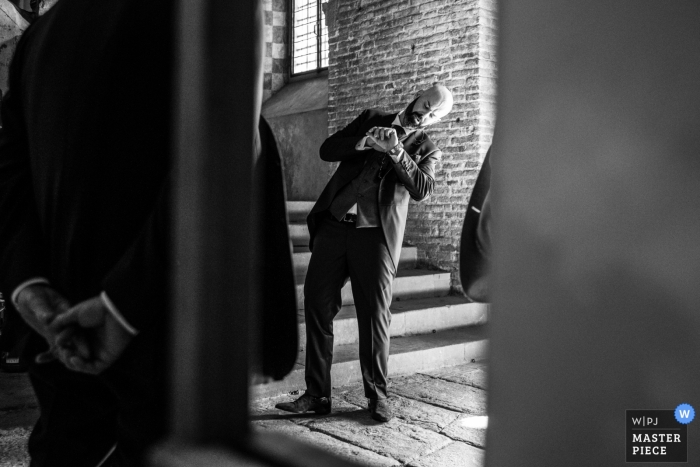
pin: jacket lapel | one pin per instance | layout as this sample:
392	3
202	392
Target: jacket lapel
412	144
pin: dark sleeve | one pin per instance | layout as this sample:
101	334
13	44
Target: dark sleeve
340	146
279	339
138	283
22	246
475	245
418	178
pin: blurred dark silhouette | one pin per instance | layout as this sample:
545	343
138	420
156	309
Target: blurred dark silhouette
475	246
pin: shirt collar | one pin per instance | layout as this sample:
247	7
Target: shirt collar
397	122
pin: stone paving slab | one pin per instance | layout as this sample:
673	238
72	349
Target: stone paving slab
424	415
454	455
439	419
462	430
442	393
13	447
350	424
471	374
328	443
396	438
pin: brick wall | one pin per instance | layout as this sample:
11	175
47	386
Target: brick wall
275	66
381	53
11	27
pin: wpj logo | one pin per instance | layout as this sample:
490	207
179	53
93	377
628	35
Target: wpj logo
658	435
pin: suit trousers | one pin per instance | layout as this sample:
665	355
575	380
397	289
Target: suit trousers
341	252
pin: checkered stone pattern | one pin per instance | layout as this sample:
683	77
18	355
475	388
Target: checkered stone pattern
275	64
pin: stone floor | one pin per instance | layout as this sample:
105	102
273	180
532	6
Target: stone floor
440	420
18	412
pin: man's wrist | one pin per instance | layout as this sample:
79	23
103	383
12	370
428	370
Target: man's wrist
395	153
395	150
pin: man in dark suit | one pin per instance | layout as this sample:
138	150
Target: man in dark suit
357	227
475	245
84	164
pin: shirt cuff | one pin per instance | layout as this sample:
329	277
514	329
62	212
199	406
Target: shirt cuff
116	315
399	157
361	146
27	283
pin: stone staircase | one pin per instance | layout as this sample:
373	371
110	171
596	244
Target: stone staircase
430	329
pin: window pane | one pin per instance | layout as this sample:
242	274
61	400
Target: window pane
307	28
324	41
305	41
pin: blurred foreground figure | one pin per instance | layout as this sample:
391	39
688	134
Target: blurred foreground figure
475	245
84	163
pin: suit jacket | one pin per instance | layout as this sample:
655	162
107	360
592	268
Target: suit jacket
85	160
414	178
279	341
473	262
85	155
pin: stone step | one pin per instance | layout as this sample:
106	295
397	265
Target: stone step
408	355
298	210
302	255
408	317
299	233
408	284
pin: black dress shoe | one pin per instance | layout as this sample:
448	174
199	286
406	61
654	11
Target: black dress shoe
307	403
380	410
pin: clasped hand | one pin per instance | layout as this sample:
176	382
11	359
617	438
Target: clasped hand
382	139
85	337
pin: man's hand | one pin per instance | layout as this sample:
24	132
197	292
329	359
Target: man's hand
90	322
382	139
39	305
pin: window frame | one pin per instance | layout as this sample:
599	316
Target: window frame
319	70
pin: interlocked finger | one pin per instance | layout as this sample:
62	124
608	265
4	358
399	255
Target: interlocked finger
381	133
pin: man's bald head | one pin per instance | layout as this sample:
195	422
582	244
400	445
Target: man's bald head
429	107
